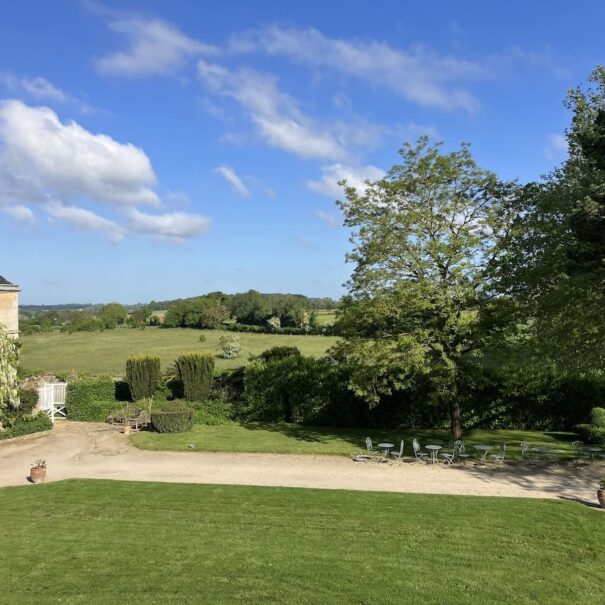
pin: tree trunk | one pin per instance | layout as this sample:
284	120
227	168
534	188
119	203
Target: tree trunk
455	419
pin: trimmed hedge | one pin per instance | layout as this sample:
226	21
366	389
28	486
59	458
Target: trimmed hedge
172	417
90	399
196	371
143	376
214	413
26	425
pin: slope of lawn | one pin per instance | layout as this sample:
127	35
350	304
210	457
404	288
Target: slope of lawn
297	439
106	352
83	541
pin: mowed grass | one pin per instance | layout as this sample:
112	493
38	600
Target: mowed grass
106	352
297	439
84	541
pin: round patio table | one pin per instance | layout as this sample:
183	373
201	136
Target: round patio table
593	450
434	449
385	448
483	449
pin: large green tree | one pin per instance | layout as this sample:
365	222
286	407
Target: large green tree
551	264
422	239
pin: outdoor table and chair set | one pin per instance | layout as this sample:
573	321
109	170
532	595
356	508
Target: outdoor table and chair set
481	453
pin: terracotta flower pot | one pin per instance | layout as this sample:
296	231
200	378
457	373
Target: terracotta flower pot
37	474
601	497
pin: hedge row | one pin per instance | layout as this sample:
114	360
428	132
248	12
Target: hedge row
91	399
250	329
27	425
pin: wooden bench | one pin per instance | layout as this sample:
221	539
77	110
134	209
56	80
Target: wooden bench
134	418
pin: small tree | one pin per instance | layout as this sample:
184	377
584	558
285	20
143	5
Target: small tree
274	323
196	371
231	346
143	376
112	315
9	389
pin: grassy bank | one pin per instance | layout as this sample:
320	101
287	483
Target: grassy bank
119	542
297	439
106	352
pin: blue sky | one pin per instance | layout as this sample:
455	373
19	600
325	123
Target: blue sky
154	150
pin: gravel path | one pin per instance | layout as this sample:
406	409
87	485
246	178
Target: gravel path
100	451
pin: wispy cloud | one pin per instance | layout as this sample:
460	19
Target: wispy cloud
418	73
20	213
82	218
154	46
556	148
229	174
175	226
356	176
41	89
332	220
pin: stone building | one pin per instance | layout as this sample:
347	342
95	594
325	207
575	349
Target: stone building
9	307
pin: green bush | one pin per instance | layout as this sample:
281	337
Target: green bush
28	399
25	425
589	433
143	376
172	417
275	353
597	417
90	399
196	371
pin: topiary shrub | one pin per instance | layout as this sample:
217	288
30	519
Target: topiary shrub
172	417
143	376
28	400
597	417
90	399
275	353
196	371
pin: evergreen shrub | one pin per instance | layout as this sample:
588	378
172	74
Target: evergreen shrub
196	371
143	376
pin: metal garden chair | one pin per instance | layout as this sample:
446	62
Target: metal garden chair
459	450
499	457
418	454
398	455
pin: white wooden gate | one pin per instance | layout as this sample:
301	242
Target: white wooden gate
51	397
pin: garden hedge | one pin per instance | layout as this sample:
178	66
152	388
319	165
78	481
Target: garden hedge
26	425
172	417
90	399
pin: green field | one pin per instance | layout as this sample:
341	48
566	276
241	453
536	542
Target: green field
106	352
326	317
297	439
84	541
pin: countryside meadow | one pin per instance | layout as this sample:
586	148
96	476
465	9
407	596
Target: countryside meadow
302	304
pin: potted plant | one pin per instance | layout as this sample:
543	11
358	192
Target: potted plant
601	493
37	473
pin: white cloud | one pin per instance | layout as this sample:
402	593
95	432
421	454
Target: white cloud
42	156
417	74
60	165
275	114
84	219
20	213
175	226
556	148
155	47
229	174
41	89
332	220
355	177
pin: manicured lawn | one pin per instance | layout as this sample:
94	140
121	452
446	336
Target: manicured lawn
83	541
297	439
106	352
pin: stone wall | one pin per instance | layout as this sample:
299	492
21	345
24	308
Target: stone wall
9	310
